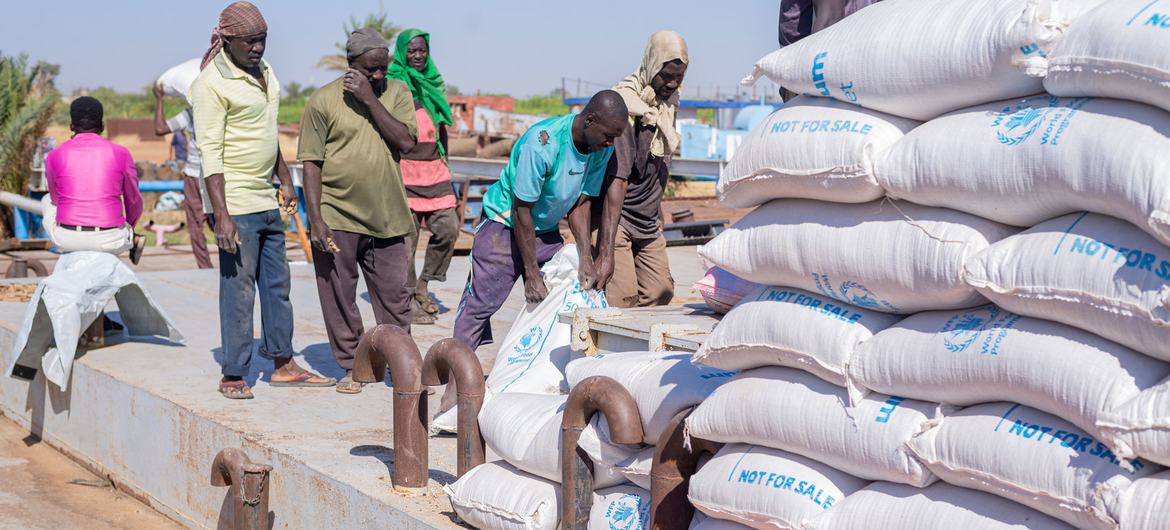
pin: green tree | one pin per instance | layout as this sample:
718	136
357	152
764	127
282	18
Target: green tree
377	21
27	98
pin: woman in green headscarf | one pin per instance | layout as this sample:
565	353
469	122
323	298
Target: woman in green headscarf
424	168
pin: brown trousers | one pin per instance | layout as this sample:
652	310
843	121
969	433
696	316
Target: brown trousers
383	263
641	276
193	205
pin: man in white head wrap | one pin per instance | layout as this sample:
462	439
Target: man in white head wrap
638	175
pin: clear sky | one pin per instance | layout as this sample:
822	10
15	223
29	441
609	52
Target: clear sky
521	47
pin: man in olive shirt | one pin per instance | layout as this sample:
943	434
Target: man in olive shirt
353	133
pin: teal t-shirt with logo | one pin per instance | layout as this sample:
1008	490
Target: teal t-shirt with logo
547	170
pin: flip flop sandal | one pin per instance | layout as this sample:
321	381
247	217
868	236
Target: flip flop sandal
348	386
427	305
305	379
235	390
138	244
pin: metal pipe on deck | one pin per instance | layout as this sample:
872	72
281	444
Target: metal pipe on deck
451	361
670	474
388	345
248	489
590	396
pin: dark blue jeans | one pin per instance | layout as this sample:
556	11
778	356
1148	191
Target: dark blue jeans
260	263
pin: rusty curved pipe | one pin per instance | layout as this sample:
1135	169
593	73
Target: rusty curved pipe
670	474
248	493
451	359
590	396
388	345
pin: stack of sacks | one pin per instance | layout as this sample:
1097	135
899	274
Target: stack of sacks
524	430
533	356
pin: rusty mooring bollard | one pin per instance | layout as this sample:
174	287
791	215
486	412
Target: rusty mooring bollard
247	508
670	475
592	395
450	359
388	345
21	267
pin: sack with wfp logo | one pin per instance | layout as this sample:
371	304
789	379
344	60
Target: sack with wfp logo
661	383
886	506
1141	426
989	354
533	356
525	430
1031	457
480	499
1089	271
812	148
1144	505
1025	161
960	53
1117	50
767	488
781	326
620	508
797	412
888	256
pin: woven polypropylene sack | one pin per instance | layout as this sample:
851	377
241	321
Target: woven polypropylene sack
812	148
1089	271
527	503
888	256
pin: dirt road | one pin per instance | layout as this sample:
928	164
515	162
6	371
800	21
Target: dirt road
36	491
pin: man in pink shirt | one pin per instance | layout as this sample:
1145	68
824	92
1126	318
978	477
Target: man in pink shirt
94	188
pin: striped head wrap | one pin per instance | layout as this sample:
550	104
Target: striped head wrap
240	19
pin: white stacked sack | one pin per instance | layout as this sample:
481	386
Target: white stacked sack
1024	161
533	356
886	506
1086	270
1145	504
1033	458
1142	426
526	503
620	508
812	148
525	430
989	354
934	55
780	326
767	488
797	412
1117	50
661	383
888	256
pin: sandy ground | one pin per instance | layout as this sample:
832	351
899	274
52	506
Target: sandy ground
41	488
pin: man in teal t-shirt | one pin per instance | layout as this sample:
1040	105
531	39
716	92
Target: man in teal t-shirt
556	168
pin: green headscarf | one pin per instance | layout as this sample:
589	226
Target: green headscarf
426	86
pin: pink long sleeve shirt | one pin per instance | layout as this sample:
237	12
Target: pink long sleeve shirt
93	182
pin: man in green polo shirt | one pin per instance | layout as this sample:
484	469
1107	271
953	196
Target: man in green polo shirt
353	133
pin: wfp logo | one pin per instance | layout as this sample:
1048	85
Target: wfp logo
818	74
628	513
961	331
1015	124
859	295
527	347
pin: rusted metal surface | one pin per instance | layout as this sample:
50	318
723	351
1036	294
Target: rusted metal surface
452	362
670	474
389	346
590	396
246	507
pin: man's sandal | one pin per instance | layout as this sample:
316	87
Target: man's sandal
348	386
235	389
304	378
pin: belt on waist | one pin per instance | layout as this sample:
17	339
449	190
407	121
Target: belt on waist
77	228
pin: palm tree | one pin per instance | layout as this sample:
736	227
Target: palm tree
27	98
379	22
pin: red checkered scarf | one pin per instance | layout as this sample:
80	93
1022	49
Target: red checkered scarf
240	19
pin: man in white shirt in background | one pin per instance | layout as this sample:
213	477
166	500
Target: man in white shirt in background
193	203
